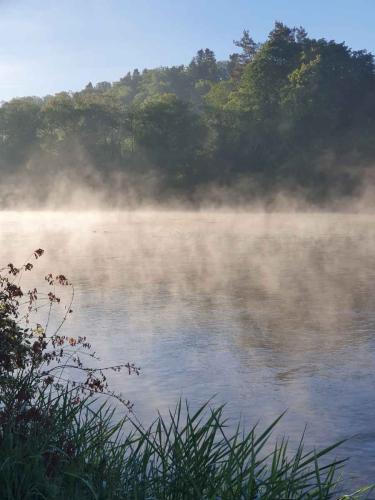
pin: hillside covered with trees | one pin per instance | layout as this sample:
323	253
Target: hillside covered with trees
291	113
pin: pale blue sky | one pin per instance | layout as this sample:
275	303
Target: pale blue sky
48	45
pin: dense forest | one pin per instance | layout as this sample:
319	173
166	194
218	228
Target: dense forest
292	113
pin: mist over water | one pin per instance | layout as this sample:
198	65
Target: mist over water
267	311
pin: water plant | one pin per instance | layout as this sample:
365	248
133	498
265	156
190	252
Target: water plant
67	450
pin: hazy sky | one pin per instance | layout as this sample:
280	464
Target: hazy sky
52	45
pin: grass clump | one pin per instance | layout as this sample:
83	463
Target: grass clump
65	449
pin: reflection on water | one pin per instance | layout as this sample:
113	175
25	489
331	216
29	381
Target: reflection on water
269	312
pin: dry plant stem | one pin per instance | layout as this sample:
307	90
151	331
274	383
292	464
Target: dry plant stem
40	350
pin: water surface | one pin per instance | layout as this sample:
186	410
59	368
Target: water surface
268	312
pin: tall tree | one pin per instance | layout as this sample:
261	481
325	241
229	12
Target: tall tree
19	123
203	66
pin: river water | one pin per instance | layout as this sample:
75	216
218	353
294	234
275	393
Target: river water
269	312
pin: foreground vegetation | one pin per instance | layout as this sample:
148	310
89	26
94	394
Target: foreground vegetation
58	441
70	450
292	113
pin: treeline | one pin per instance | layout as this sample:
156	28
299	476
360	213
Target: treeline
292	113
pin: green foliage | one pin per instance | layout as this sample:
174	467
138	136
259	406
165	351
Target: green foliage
239	61
59	448
269	114
19	123
65	449
170	134
203	66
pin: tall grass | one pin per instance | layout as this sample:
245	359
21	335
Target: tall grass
71	450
